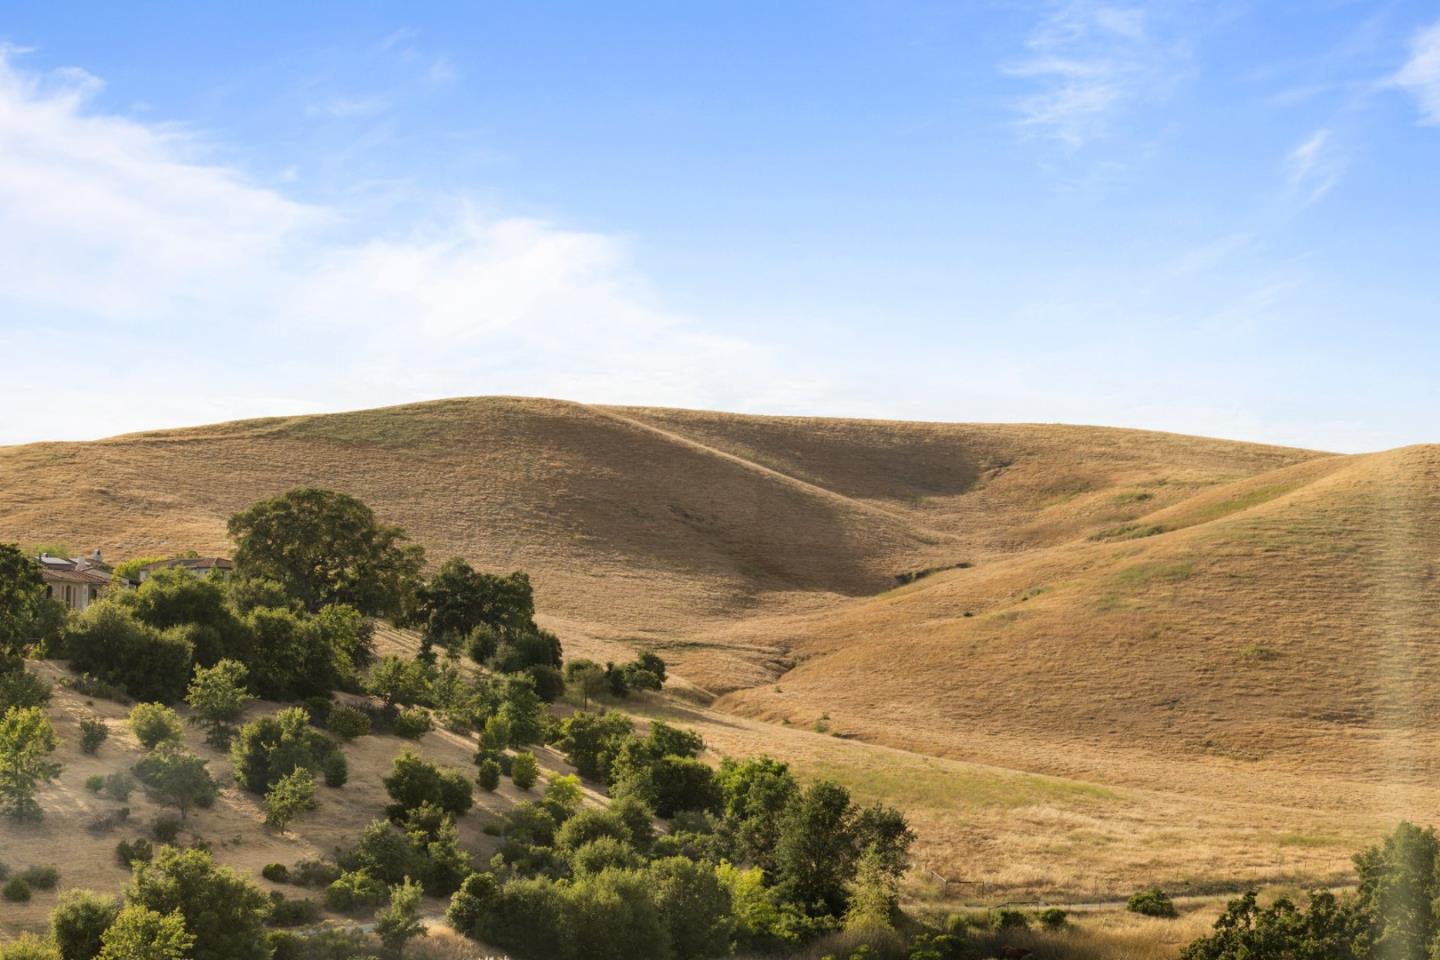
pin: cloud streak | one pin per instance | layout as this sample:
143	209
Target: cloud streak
1087	64
1420	75
131	265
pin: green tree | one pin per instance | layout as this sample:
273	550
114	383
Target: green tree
325	547
458	599
586	678
26	741
154	724
619	903
78	921
268	748
413	781
815	853
225	912
591	742
1328	930
488	775
524	770
288	797
139	933
217	695
1397	891
399	921
874	895
26	613
398	681
28	947
755	793
151	664
175	598
179	779
694	905
522	709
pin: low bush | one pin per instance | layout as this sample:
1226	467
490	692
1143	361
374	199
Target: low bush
79	921
1151	903
95	783
488	776
353	892
1052	918
412	723
319	709
165	828
139	850
285	912
348	723
1007	919
524	770
88	685
314	873
41	878
335	770
93	732
16	890
275	872
119	785
154	724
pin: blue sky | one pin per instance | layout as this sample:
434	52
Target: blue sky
1208	218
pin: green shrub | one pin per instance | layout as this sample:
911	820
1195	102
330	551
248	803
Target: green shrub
93	687
41	878
269	748
1151	903
78	921
1052	918
335	770
412	723
319	708
154	724
29	947
354	891
165	828
285	912
93	732
119	785
148	663
414	781
95	783
1005	918
134	851
275	872
179	779
348	723
314	873
524	770
488	776
16	890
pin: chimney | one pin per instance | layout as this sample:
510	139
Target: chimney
96	555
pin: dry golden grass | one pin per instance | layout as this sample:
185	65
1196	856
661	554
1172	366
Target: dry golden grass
1171	660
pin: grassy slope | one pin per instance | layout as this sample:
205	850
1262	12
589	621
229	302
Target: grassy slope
1246	691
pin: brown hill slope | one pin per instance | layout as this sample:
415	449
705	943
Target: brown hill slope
635	523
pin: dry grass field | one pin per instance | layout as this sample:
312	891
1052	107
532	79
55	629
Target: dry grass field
1141	658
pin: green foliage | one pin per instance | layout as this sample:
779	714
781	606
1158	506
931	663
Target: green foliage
128	853
564	796
496	735
269	748
129	568
177	778
285	912
298	656
524	770
754	793
41	877
425	846
518	650
165	828
26	741
348	723
139	933
353	891
324	547
25	611
335	770
19	687
399	921
1151	903
28	947
175	599
119	785
1053	918
591	742
225	911
217	695
586	678
694	905
16	890
457	602
95	782
154	724
110	643
1328	930
396	680
522	709
671	784
93	732
412	723
413	781
874	896
815	852
78	921
488	776
275	872
605	853
288	797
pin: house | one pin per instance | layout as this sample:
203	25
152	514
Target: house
75	583
197	566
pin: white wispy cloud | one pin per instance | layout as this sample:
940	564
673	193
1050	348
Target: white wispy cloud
1314	166
349	107
1421	73
1088	62
130	267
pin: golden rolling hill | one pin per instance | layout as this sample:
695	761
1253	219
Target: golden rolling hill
1238	638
